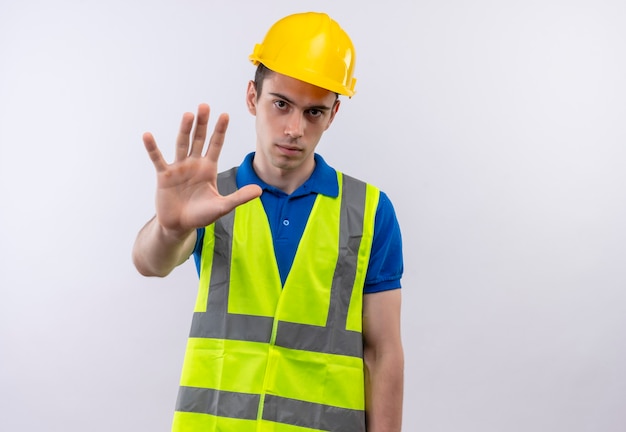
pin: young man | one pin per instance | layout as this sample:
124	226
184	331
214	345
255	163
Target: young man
297	321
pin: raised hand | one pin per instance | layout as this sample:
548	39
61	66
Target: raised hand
187	197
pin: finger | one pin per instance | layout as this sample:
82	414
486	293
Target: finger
217	138
245	194
229	202
200	132
182	141
154	152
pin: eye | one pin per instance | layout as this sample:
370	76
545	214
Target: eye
280	104
314	112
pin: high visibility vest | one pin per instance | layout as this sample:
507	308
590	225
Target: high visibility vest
266	357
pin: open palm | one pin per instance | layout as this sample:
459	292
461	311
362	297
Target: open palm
187	197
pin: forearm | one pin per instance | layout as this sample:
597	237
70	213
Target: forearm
158	251
384	389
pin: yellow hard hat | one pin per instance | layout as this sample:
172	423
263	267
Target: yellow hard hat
310	47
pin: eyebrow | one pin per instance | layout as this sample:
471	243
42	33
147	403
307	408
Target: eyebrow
317	107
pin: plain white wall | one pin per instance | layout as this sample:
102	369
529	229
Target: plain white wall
497	129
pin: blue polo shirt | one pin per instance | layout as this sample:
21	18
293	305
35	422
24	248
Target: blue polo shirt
288	215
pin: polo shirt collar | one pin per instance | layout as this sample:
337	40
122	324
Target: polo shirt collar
323	180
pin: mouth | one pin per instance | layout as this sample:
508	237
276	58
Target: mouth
288	149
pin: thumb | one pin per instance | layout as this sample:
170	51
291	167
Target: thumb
245	194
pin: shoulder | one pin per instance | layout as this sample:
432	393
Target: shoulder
385	206
386	260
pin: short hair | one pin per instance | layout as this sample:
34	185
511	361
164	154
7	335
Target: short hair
261	73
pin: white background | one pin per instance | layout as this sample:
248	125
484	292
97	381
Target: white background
496	127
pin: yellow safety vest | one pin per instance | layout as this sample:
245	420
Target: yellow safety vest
265	357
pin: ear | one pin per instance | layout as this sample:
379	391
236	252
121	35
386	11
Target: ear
333	112
251	98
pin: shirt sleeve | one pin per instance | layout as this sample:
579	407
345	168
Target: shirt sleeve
197	250
386	263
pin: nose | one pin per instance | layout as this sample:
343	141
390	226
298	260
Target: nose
295	125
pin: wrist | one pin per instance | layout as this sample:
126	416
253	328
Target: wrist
172	235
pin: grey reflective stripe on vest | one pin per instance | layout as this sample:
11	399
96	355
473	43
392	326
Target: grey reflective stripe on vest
336	339
216	322
283	410
218	402
312	415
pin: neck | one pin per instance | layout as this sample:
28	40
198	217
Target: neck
287	180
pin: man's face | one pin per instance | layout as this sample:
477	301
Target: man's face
291	117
